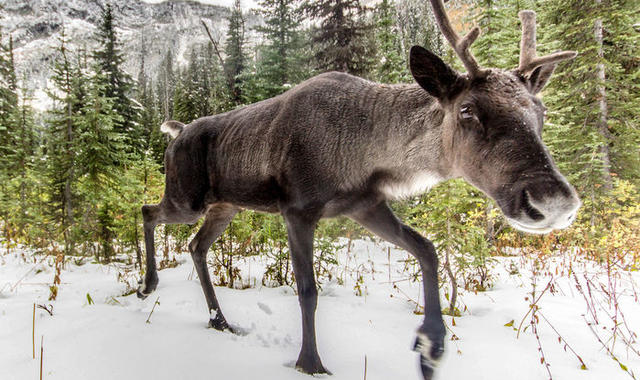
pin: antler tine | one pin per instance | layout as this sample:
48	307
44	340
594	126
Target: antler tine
460	45
528	59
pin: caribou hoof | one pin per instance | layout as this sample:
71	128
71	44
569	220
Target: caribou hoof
144	288
431	353
140	294
311	366
218	322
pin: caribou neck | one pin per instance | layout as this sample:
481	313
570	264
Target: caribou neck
414	150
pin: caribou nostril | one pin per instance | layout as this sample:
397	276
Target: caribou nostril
531	211
571	216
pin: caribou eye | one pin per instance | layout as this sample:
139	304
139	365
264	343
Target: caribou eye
466	113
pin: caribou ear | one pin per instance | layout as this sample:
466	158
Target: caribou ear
432	74
539	77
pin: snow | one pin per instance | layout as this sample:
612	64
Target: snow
110	338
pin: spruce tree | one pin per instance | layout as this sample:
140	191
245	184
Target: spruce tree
166	86
8	102
593	128
416	26
23	158
193	90
341	40
101	144
62	136
9	112
153	141
281	58
499	42
115	82
236	60
391	65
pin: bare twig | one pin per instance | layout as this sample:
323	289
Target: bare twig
48	309
622	366
409	298
26	274
33	332
566	344
532	306
41	354
365	367
543	359
152	309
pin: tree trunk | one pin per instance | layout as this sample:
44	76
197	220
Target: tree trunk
68	205
602	103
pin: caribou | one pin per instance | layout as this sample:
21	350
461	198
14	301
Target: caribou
337	144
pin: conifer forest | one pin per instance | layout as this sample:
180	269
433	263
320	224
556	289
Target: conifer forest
75	173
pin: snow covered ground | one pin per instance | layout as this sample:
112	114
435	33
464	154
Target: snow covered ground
110	338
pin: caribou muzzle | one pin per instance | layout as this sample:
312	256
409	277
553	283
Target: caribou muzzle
545	204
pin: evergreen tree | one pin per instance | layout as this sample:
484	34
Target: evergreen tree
236	60
101	145
417	26
8	101
9	112
193	90
391	65
154	143
342	36
595	98
115	82
499	42
23	157
215	82
166	86
62	137
281	60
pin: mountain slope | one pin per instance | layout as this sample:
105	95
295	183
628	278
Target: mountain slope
35	26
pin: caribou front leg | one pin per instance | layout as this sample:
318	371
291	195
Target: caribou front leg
300	229
151	216
430	340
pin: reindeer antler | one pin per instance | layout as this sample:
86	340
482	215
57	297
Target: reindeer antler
528	59
460	45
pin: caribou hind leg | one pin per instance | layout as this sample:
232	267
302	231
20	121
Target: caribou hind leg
300	229
217	219
430	340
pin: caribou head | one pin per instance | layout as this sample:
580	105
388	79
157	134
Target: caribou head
493	123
